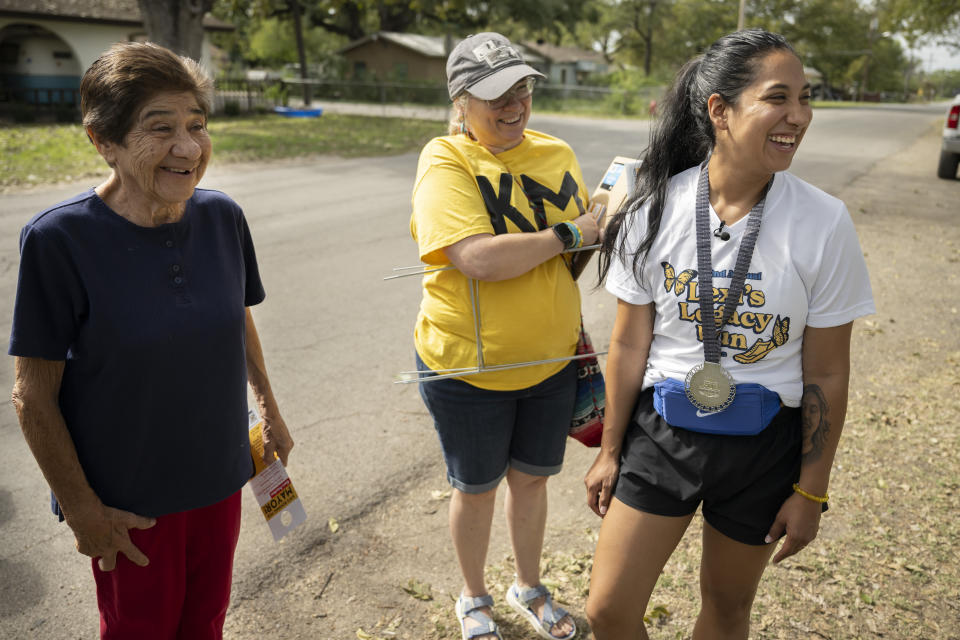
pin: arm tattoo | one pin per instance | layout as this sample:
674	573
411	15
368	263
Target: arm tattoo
814	411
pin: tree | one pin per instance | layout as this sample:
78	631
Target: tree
343	17
176	24
355	19
846	40
936	20
694	26
640	19
597	29
942	83
887	67
660	35
271	42
294	6
836	37
644	17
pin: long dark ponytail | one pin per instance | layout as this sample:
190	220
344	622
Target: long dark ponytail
683	135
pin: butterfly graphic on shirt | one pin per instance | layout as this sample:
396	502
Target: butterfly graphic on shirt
759	349
676	282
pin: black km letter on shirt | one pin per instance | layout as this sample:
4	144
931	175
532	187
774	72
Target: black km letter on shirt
537	193
499	207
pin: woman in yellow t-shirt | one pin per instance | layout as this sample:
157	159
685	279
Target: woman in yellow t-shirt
500	203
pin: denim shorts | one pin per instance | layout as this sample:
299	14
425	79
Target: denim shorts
484	432
742	481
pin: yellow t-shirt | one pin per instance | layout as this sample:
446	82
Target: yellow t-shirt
462	190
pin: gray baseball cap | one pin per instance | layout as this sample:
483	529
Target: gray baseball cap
486	65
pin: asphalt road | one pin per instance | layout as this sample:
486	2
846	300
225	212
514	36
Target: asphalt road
327	230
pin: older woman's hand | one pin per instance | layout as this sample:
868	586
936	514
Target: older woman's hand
276	436
103	532
276	439
100	531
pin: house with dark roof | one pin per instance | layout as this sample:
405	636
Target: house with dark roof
396	56
408	57
567	66
46	45
418	58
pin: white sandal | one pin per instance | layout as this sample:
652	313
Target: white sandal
468	607
520	600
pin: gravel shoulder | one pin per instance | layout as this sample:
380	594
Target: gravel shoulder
883	567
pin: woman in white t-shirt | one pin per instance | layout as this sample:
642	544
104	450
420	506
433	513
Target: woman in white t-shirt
708	416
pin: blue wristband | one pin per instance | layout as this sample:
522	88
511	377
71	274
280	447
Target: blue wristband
576	232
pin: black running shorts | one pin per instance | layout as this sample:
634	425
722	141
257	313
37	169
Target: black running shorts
742	481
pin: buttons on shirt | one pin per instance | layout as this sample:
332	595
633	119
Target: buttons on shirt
176	273
175	270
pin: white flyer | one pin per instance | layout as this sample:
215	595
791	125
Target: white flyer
272	487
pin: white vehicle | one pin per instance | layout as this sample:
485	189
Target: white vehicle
950	151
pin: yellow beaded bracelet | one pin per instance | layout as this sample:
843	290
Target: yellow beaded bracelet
810	496
579	234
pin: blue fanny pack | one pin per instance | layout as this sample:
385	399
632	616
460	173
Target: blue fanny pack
752	409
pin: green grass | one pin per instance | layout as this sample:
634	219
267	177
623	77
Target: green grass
844	104
270	137
610	107
40	154
35	154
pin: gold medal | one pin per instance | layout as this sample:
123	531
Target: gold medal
709	387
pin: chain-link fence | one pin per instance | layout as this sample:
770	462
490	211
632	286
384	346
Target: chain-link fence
31	104
241	95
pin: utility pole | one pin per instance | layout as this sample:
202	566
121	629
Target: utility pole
740	18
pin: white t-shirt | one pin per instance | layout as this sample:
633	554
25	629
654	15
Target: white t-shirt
807	270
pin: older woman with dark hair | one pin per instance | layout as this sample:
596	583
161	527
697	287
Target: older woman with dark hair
134	343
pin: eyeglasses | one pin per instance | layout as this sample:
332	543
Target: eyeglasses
520	91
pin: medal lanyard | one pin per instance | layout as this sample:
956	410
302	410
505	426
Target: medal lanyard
711	342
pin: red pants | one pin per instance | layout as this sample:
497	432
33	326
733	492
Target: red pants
184	592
